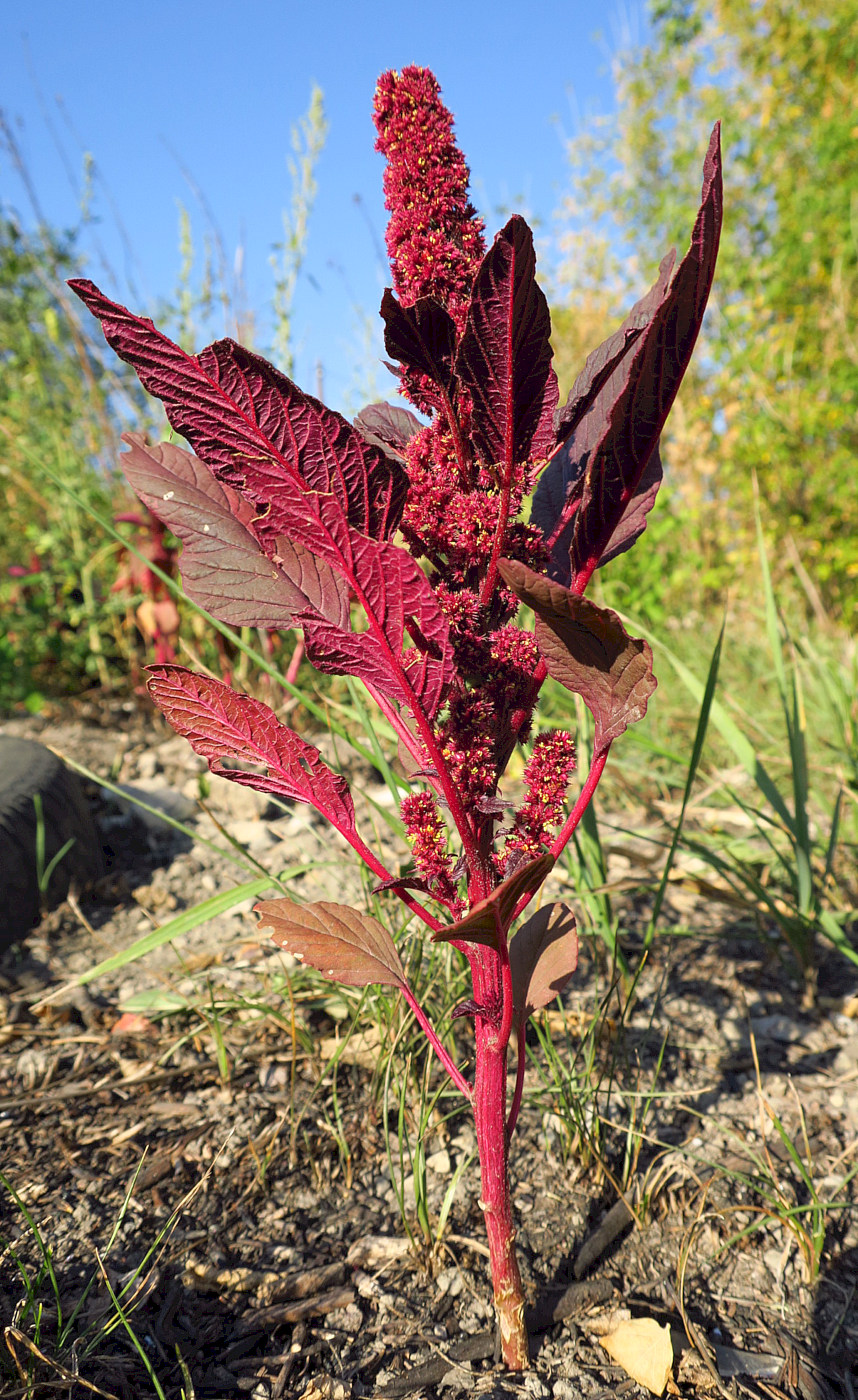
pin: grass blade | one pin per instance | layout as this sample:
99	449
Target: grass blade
697	750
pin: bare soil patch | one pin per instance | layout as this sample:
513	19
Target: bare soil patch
271	1260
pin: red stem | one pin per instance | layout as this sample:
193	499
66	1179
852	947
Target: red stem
458	441
295	662
490	1121
597	768
500	533
518	1092
505	1027
455	1074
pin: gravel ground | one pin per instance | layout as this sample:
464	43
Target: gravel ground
243	1193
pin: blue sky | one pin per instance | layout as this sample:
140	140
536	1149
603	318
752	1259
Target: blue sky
150	88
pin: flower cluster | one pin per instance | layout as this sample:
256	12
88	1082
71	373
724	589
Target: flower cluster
546	778
455	505
425	830
434	237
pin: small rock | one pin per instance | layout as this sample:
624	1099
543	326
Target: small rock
298	825
348	1319
450	1281
373	1250
273	1077
733	1029
457	1379
846	1059
564	1390
177	753
782	1029
253	834
439	1163
534	1386
775	1261
148	764
465	1140
366	1286
236	800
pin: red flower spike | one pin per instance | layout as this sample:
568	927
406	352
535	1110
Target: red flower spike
546	778
425	829
434	237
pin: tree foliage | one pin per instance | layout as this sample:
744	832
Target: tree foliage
61	408
775	390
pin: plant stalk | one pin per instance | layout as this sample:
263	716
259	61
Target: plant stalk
489	1104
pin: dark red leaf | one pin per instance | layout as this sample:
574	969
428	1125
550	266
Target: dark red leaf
311	570
422	338
543	954
652	375
392	589
224	567
388	426
221	724
633	519
504	357
561	486
597	476
587	649
480	924
339	942
470	1008
558	491
401	882
256	429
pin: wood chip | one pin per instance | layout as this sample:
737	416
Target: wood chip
373	1251
270	1287
295	1311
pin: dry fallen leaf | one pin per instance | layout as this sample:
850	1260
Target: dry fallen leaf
132	1023
362	1048
644	1350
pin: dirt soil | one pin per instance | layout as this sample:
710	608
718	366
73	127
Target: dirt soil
244	1197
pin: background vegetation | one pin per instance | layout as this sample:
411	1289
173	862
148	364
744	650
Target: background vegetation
765	426
773	388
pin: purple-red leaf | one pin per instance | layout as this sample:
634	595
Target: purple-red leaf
221	724
543	954
633	519
388	426
256	429
312	544
597	476
395	595
224	567
587	649
558	491
422	338
339	942
652	376
401	882
504	357
480	924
